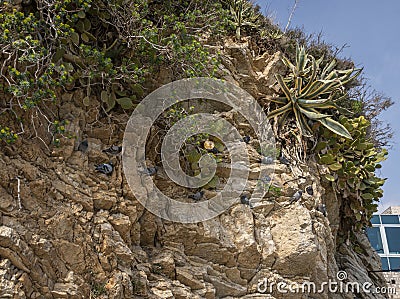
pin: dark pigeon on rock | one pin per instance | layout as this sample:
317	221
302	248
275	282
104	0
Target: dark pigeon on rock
284	160
197	196
246	139
322	208
244	199
106	168
296	196
214	150
267	160
265	179
83	146
113	150
310	190
150	171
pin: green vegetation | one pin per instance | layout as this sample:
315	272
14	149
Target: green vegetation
274	190
308	89
7	135
352	164
137	286
193	148
244	15
98	289
108	49
112	51
315	92
59	131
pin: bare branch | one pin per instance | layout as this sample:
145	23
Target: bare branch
291	15
19	193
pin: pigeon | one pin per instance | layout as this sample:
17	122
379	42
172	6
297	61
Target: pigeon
113	150
267	160
83	146
296	196
322	208
197	196
284	160
310	190
244	199
246	139
106	168
265	179
150	171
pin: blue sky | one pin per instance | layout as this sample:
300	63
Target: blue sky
370	30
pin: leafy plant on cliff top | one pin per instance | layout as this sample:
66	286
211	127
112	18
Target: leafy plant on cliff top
243	14
308	89
105	48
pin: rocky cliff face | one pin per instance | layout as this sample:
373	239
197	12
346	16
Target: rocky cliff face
69	232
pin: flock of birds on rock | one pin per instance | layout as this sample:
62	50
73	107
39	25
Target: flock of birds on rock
115	150
108	168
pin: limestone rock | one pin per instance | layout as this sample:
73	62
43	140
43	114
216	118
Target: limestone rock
65	290
80	234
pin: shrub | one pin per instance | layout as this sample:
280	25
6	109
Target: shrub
352	164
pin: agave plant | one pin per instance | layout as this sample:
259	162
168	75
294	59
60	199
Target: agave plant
308	90
243	15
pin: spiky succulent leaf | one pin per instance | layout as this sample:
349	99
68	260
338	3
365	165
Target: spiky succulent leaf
300	123
335	127
328	68
279	100
301	59
319	60
312	103
284	87
324	86
305	124
342	110
311	79
357	73
280	110
307	90
283	118
287	62
311	114
298	82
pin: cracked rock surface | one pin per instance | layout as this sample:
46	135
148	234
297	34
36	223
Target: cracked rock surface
80	234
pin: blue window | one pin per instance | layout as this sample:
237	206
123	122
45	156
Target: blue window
390	219
394	263
393	239
374	237
385	264
375	219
